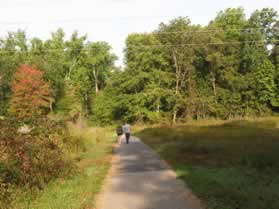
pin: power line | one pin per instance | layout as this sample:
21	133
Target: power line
215	30
199	44
68	50
200	30
145	46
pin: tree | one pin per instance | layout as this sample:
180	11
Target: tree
14	50
275	60
55	64
265	21
265	86
146	78
92	64
31	96
100	62
74	52
178	37
224	59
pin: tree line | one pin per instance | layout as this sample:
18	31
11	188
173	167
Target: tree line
75	69
182	71
228	68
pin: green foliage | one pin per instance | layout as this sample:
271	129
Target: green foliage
69	105
102	110
143	86
9	60
86	65
50	56
99	62
180	71
265	86
223	70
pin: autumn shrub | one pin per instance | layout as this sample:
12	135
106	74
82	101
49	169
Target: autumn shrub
31	159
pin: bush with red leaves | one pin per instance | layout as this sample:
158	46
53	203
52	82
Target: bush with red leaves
31	95
32	159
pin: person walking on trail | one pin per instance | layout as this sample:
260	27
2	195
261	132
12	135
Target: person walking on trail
119	132
127	131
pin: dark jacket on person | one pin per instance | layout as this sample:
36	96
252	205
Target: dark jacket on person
119	130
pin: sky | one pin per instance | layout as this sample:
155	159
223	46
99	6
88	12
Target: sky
110	20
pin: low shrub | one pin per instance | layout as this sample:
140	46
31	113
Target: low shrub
30	159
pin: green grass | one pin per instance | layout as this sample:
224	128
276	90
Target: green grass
228	166
79	190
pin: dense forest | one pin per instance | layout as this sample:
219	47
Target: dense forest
180	71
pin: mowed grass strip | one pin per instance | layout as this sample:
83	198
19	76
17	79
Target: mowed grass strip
230	166
79	190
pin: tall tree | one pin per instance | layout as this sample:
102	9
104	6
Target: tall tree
100	62
178	37
147	76
56	65
13	51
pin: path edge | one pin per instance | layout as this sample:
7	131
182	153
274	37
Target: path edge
99	200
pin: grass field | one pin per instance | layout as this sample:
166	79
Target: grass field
79	190
233	165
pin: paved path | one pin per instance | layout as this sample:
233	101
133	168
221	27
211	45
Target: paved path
140	180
